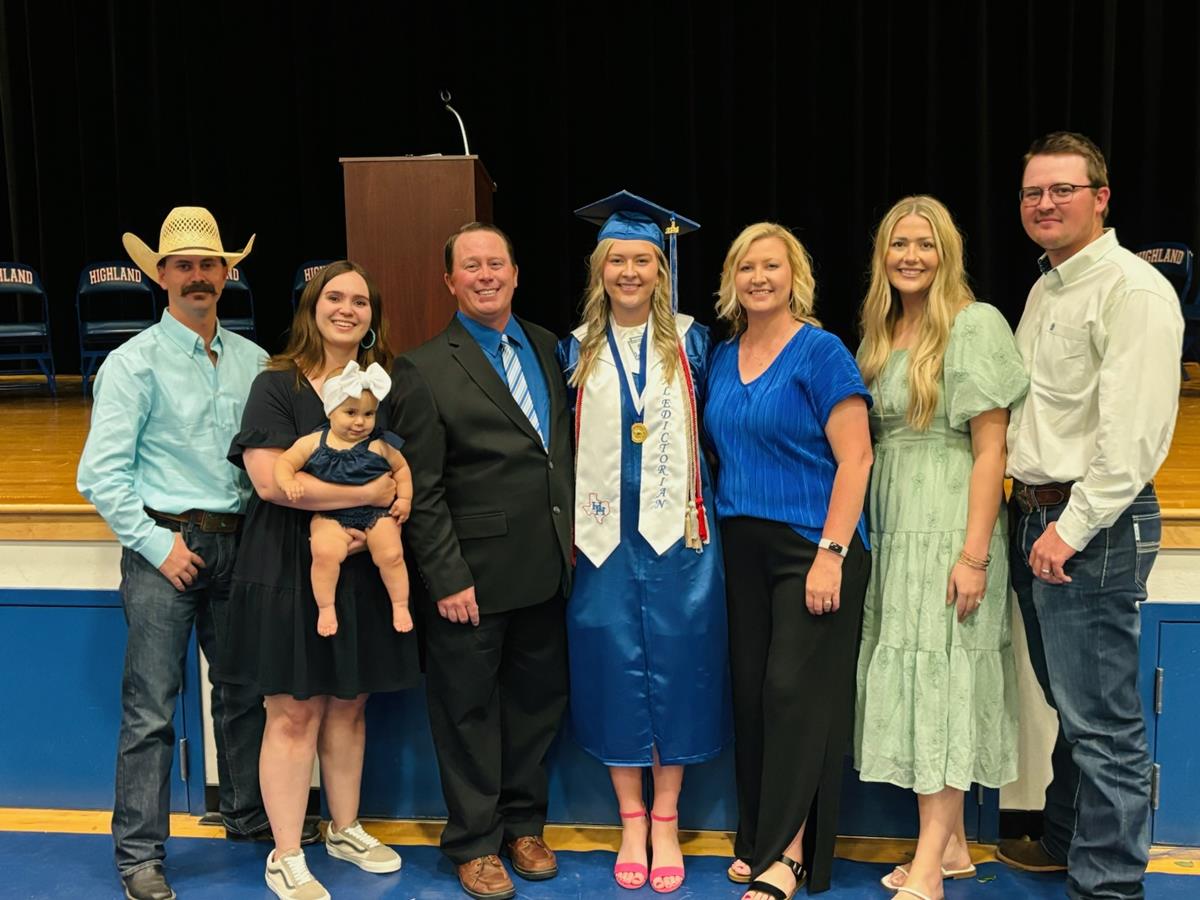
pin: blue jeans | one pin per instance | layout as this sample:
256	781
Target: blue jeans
160	621
1083	643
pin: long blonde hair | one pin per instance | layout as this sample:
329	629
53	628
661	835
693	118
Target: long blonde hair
949	294
597	309
804	286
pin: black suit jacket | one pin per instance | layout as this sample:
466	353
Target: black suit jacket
491	506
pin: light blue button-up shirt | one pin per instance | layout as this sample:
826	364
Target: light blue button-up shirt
162	422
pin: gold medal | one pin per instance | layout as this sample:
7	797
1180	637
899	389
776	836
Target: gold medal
639	432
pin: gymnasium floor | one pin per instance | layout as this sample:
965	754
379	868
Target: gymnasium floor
48	854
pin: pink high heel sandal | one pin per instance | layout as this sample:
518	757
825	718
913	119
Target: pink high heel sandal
666	871
630	868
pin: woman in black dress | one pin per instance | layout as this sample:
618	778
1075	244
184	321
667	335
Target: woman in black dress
315	687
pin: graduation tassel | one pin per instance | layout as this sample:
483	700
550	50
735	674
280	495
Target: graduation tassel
691	529
672	232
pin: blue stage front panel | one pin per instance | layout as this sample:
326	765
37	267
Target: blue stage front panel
62	660
61	657
400	780
1177	819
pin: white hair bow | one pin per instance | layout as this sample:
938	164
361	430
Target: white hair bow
352	382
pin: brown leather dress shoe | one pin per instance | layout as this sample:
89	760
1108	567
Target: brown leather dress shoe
147	883
486	879
1028	856
531	858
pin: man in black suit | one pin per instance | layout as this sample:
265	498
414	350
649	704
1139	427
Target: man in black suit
483	411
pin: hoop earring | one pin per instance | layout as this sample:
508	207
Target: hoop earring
371	332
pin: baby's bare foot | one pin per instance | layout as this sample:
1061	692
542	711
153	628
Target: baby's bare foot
401	619
327	622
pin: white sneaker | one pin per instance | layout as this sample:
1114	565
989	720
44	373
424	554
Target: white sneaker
288	877
354	845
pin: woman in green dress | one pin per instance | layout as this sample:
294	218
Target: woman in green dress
937	693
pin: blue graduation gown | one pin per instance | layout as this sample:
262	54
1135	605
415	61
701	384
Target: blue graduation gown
647	634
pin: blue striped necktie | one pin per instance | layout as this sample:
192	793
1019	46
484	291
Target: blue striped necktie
517	385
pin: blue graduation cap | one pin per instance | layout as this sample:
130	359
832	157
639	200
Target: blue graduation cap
628	217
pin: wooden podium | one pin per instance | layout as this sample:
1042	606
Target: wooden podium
399	212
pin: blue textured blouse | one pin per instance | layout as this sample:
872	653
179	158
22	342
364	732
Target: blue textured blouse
769	435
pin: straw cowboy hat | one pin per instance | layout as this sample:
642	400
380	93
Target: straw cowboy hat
187	230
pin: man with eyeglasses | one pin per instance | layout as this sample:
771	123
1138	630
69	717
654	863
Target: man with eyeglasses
1101	336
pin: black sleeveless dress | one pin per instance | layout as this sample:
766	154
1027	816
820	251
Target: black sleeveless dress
273	617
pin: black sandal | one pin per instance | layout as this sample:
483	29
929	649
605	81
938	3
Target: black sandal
770	890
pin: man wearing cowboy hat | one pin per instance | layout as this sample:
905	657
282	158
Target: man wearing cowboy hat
167	404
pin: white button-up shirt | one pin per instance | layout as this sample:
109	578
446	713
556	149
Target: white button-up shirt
1101	337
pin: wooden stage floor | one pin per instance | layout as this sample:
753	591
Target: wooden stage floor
42	438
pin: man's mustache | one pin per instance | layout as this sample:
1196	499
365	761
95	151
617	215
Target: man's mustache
199	287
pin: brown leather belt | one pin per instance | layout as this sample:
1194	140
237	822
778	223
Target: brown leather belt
1037	496
208	522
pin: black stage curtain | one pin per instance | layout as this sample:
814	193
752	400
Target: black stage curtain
817	115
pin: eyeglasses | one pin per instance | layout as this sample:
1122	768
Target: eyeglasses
1059	193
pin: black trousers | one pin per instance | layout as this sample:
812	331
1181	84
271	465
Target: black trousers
793	691
496	693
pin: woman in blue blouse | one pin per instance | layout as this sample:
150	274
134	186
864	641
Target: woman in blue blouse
787	416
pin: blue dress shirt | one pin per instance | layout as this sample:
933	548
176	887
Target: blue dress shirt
488	340
162	421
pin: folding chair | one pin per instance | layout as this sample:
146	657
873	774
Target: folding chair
113	302
304	274
1175	261
25	326
235	309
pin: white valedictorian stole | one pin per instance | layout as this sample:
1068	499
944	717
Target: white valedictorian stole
670	505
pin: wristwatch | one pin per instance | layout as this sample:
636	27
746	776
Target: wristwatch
827	544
